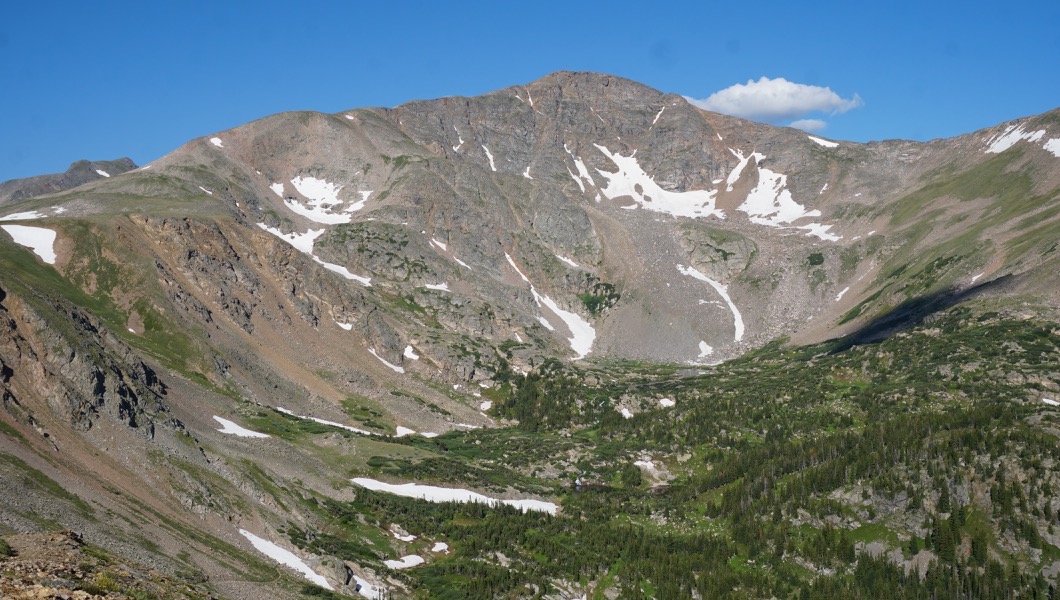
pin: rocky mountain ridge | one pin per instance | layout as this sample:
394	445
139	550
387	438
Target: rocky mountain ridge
79	173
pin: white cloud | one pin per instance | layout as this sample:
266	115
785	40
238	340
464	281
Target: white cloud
774	100
808	125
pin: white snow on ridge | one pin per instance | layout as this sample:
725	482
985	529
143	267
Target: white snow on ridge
432	493
1011	135
392	366
103	173
285	557
825	143
489	156
456	148
1053	146
406	562
770	203
410	353
38	239
656	119
216	141
723	291
439	287
630	176
23	216
233	429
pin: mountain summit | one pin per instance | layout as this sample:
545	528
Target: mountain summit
394	271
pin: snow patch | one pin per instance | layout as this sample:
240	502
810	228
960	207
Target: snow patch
392	366
38	239
285	557
278	188
568	261
103	173
232	429
656	119
322	196
825	143
526	173
216	141
1052	146
346	326
582	333
1009	137
770	203
625	412
440	287
206	190
442	245
1050	402
705	349
631	180
456	148
22	216
583	171
324	422
489	156
462	263
410	353
840	295
667	402
303	242
432	493
723	291
644	464
976	277
406	562
440	547
486	405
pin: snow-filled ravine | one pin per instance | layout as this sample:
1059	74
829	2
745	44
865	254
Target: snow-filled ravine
723	291
285	557
432	493
38	239
582	333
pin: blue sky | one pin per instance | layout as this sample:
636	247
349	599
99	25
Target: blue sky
110	79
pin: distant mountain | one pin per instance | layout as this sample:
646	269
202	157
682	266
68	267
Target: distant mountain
531	274
79	173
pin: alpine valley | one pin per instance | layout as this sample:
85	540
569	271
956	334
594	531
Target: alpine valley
570	339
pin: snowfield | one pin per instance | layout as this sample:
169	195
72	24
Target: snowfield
22	216
216	141
102	172
630	177
406	562
432	493
285	557
825	143
38	239
392	366
232	429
